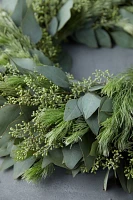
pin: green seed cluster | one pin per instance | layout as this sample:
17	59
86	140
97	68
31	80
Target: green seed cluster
129	169
111	162
84	86
48	47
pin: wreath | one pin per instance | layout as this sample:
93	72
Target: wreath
48	118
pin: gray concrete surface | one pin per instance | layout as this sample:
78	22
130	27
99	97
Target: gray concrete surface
61	186
86	60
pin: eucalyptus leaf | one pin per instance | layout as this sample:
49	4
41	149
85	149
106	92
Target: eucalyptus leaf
106	180
4	152
71	155
122	39
87	37
21	166
71	110
42	58
7	163
6	111
103	38
85	146
46	161
19	12
93	123
54	74
64	14
102	116
75	171
126	15
5	139
96	87
56	156
90	103
94	148
107	106
25	63
9	7
53	25
105	109
30	27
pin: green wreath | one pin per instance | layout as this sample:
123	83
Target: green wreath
47	118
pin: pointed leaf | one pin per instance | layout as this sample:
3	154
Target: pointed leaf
75	171
6	111
94	149
46	161
106	180
107	106
122	39
19	12
7	163
71	110
4	152
54	156
87	37
103	38
9	7
72	155
56	75
30	27
64	14
95	88
21	166
126	15
52	29
93	123
90	103
85	146
25	63
57	157
42	58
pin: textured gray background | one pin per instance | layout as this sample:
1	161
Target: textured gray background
61	186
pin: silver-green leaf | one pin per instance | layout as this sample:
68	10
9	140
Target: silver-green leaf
53	25
87	37
72	155
90	103
103	38
64	14
30	27
71	110
21	166
7	163
54	74
122	39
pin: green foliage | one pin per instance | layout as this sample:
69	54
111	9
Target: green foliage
72	110
36	172
55	119
116	130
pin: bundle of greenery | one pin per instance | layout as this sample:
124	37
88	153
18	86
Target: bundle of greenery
47	118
